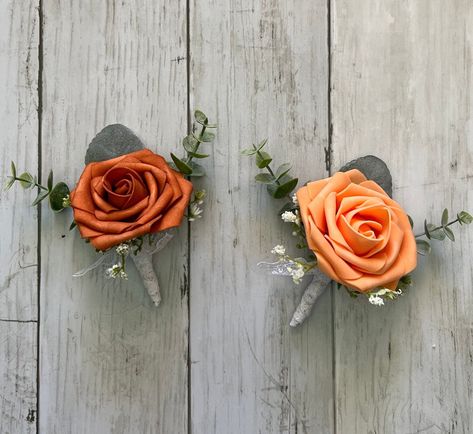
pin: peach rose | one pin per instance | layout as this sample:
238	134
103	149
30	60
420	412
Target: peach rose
128	196
361	237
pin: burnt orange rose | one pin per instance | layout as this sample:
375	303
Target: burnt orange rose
128	196
361	237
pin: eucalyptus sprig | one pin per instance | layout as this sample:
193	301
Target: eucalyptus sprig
58	194
440	232
191	144
278	183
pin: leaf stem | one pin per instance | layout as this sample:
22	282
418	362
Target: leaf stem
34	183
201	134
437	228
268	168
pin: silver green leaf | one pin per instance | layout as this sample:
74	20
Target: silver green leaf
464	218
444	217
423	247
264	178
263	159
181	165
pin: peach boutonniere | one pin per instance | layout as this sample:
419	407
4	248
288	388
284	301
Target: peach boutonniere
349	229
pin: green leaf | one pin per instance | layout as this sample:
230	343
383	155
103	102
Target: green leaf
438	234
263	159
411	222
43	194
445	217
426	229
248	152
464	217
282	170
207	137
50	181
200	117
197	170
262	145
423	247
73	225
57	196
282	190
190	145
10	182
264	178
181	165
449	233
13	169
289	206
26	180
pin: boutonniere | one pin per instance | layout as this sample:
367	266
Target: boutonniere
128	199
350	229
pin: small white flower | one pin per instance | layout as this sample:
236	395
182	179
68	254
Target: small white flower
278	250
294	199
376	300
66	201
113	271
294	234
123	275
297	274
123	249
289	217
195	212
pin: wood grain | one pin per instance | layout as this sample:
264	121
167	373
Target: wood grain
19	31
260	70
401	89
110	361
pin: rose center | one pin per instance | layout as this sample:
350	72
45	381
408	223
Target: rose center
124	187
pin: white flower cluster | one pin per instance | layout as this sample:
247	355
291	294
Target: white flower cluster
376	298
278	250
116	271
195	212
297	272
123	249
291	217
294	199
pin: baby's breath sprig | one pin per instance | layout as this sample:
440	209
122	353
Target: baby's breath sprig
195	210
296	267
440	232
278	183
191	144
58	194
119	270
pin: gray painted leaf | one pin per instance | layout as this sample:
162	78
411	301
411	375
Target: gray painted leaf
113	141
373	168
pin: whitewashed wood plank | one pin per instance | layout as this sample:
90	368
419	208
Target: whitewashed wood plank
110	361
18	377
19	30
402	74
259	69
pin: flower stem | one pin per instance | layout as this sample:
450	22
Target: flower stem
437	228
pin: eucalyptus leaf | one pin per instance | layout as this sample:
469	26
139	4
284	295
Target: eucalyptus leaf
437	234
426	229
13	169
411	222
50	181
464	218
262	145
73	225
9	183
449	233
248	152
445	217
282	190
181	165
189	143
26	180
282	170
263	159
423	247
200	117
43	194
264	178
57	196
206	137
197	170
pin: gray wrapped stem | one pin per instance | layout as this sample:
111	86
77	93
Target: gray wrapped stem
319	283
144	264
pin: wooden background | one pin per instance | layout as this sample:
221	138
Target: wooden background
325	81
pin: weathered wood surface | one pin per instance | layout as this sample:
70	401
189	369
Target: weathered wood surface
260	68
19	32
402	89
110	361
